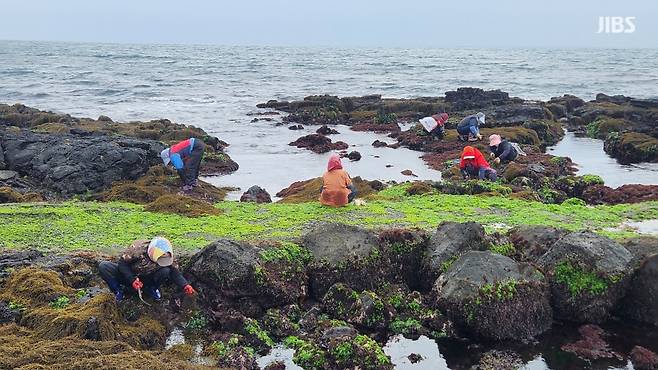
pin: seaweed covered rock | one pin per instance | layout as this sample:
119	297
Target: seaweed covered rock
326	130
493	297
318	143
449	241
588	274
309	190
631	193
243	274
50	310
531	242
644	359
632	147
348	350
640	302
71	164
365	310
9	195
592	345
499	360
182	205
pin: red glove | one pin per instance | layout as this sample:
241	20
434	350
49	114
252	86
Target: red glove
188	290
137	285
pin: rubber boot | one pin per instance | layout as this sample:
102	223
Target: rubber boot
153	292
115	287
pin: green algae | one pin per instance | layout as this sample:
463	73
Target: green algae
76	225
579	280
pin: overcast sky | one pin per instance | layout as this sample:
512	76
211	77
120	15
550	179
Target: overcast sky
349	23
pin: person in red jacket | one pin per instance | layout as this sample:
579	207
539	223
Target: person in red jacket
473	164
185	156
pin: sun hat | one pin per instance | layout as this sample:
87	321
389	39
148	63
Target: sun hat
158	249
165	156
494	140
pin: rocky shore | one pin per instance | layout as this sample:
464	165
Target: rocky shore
334	295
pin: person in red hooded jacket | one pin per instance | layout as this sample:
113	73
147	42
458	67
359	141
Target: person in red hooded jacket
337	187
473	164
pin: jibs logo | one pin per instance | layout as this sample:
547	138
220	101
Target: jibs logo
616	25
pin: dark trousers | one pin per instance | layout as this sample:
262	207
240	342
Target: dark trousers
109	271
353	194
193	163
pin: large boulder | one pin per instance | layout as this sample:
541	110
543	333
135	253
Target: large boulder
73	164
531	242
493	297
359	258
246	275
588	274
449	241
256	194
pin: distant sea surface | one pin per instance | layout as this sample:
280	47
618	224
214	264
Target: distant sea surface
215	87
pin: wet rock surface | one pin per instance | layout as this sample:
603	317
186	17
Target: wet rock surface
256	194
318	143
640	302
588	273
493	297
592	345
644	359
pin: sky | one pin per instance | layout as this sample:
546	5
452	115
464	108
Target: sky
341	23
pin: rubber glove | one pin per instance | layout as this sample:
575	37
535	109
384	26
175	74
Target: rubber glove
188	290
137	284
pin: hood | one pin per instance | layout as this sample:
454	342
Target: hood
480	117
165	156
468	153
158	249
334	163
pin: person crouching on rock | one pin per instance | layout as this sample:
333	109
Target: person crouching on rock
502	150
469	128
337	187
144	265
435	125
473	165
186	158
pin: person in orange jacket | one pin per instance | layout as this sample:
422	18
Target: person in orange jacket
146	264
337	187
473	165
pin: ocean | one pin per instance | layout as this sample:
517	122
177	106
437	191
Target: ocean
216	87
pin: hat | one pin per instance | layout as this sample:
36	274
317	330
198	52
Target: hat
494	140
158	249
164	154
480	117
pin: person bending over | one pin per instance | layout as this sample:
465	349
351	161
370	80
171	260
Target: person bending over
469	128
144	265
502	150
185	156
473	165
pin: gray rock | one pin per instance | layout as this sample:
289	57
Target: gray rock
448	242
256	194
493	297
531	242
335	243
6	175
587	252
640	303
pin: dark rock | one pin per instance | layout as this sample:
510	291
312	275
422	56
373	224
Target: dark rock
318	143
379	144
631	193
228	271
389	165
415	358
591	346
408	173
640	303
92	330
588	274
616	99
631	147
238	358
377	185
500	360
276	365
517	113
326	130
256	194
296	127
472	98
365	310
494	297
448	242
354	156
644	359
8	314
3	164
532	242
14	260
568	102
104	119
74	165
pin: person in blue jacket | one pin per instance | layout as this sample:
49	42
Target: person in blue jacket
185	156
469	127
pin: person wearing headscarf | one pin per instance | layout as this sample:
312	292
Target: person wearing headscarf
337	187
501	150
185	156
146	264
469	127
473	165
435	125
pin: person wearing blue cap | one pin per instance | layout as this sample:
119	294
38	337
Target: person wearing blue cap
146	264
